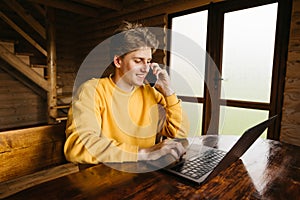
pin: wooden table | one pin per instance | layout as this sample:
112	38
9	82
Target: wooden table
268	170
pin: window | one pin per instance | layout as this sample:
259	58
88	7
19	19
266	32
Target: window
184	74
239	82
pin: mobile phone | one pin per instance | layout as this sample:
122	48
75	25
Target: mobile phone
151	78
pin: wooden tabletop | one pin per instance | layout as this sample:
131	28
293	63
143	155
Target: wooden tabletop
268	170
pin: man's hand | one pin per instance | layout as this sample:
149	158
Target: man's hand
163	83
166	147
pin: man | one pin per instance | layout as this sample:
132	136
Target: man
118	118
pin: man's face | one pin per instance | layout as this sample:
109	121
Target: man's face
133	67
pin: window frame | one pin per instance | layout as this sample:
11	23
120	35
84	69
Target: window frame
214	47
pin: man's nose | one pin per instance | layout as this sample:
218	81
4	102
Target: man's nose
146	67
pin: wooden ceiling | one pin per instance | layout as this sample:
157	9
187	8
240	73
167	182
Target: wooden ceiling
90	8
24	12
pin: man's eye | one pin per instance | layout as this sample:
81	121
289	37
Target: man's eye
137	61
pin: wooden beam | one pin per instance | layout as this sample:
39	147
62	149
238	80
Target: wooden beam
39	8
28	150
51	69
112	4
20	31
68	6
15	6
18	64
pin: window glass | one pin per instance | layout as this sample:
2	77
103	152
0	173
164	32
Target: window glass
237	120
249	37
187	77
194	114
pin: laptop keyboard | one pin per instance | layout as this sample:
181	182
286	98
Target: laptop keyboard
199	166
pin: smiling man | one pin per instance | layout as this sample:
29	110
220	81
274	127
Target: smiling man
118	118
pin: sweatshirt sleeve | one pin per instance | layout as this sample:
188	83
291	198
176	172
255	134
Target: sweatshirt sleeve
85	143
176	124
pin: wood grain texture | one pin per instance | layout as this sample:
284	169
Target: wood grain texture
290	124
20	106
268	170
29	150
16	185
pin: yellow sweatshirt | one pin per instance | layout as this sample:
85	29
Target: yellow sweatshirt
106	124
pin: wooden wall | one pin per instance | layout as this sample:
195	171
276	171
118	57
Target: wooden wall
66	42
19	105
290	125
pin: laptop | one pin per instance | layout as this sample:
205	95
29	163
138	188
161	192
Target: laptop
209	162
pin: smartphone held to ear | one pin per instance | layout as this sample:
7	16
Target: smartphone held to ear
151	78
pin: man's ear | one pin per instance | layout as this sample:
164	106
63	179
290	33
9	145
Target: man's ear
117	61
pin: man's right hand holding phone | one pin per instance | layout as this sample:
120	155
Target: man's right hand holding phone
163	83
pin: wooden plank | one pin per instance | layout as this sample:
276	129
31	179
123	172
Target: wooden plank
292	70
292	85
291	111
13	95
294	45
296	6
291	108
14	5
17	139
19	161
25	35
38	104
22	67
289	134
21	110
25	59
69	6
39	9
293	55
67	89
152	21
112	4
13	124
93	40
19	101
22	124
17	121
4	77
9	45
99	34
132	7
295	26
20	79
11	87
20	156
13	186
134	12
39	70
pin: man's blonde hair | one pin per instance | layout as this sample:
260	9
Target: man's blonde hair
130	37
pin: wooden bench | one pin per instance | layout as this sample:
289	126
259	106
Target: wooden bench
31	156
